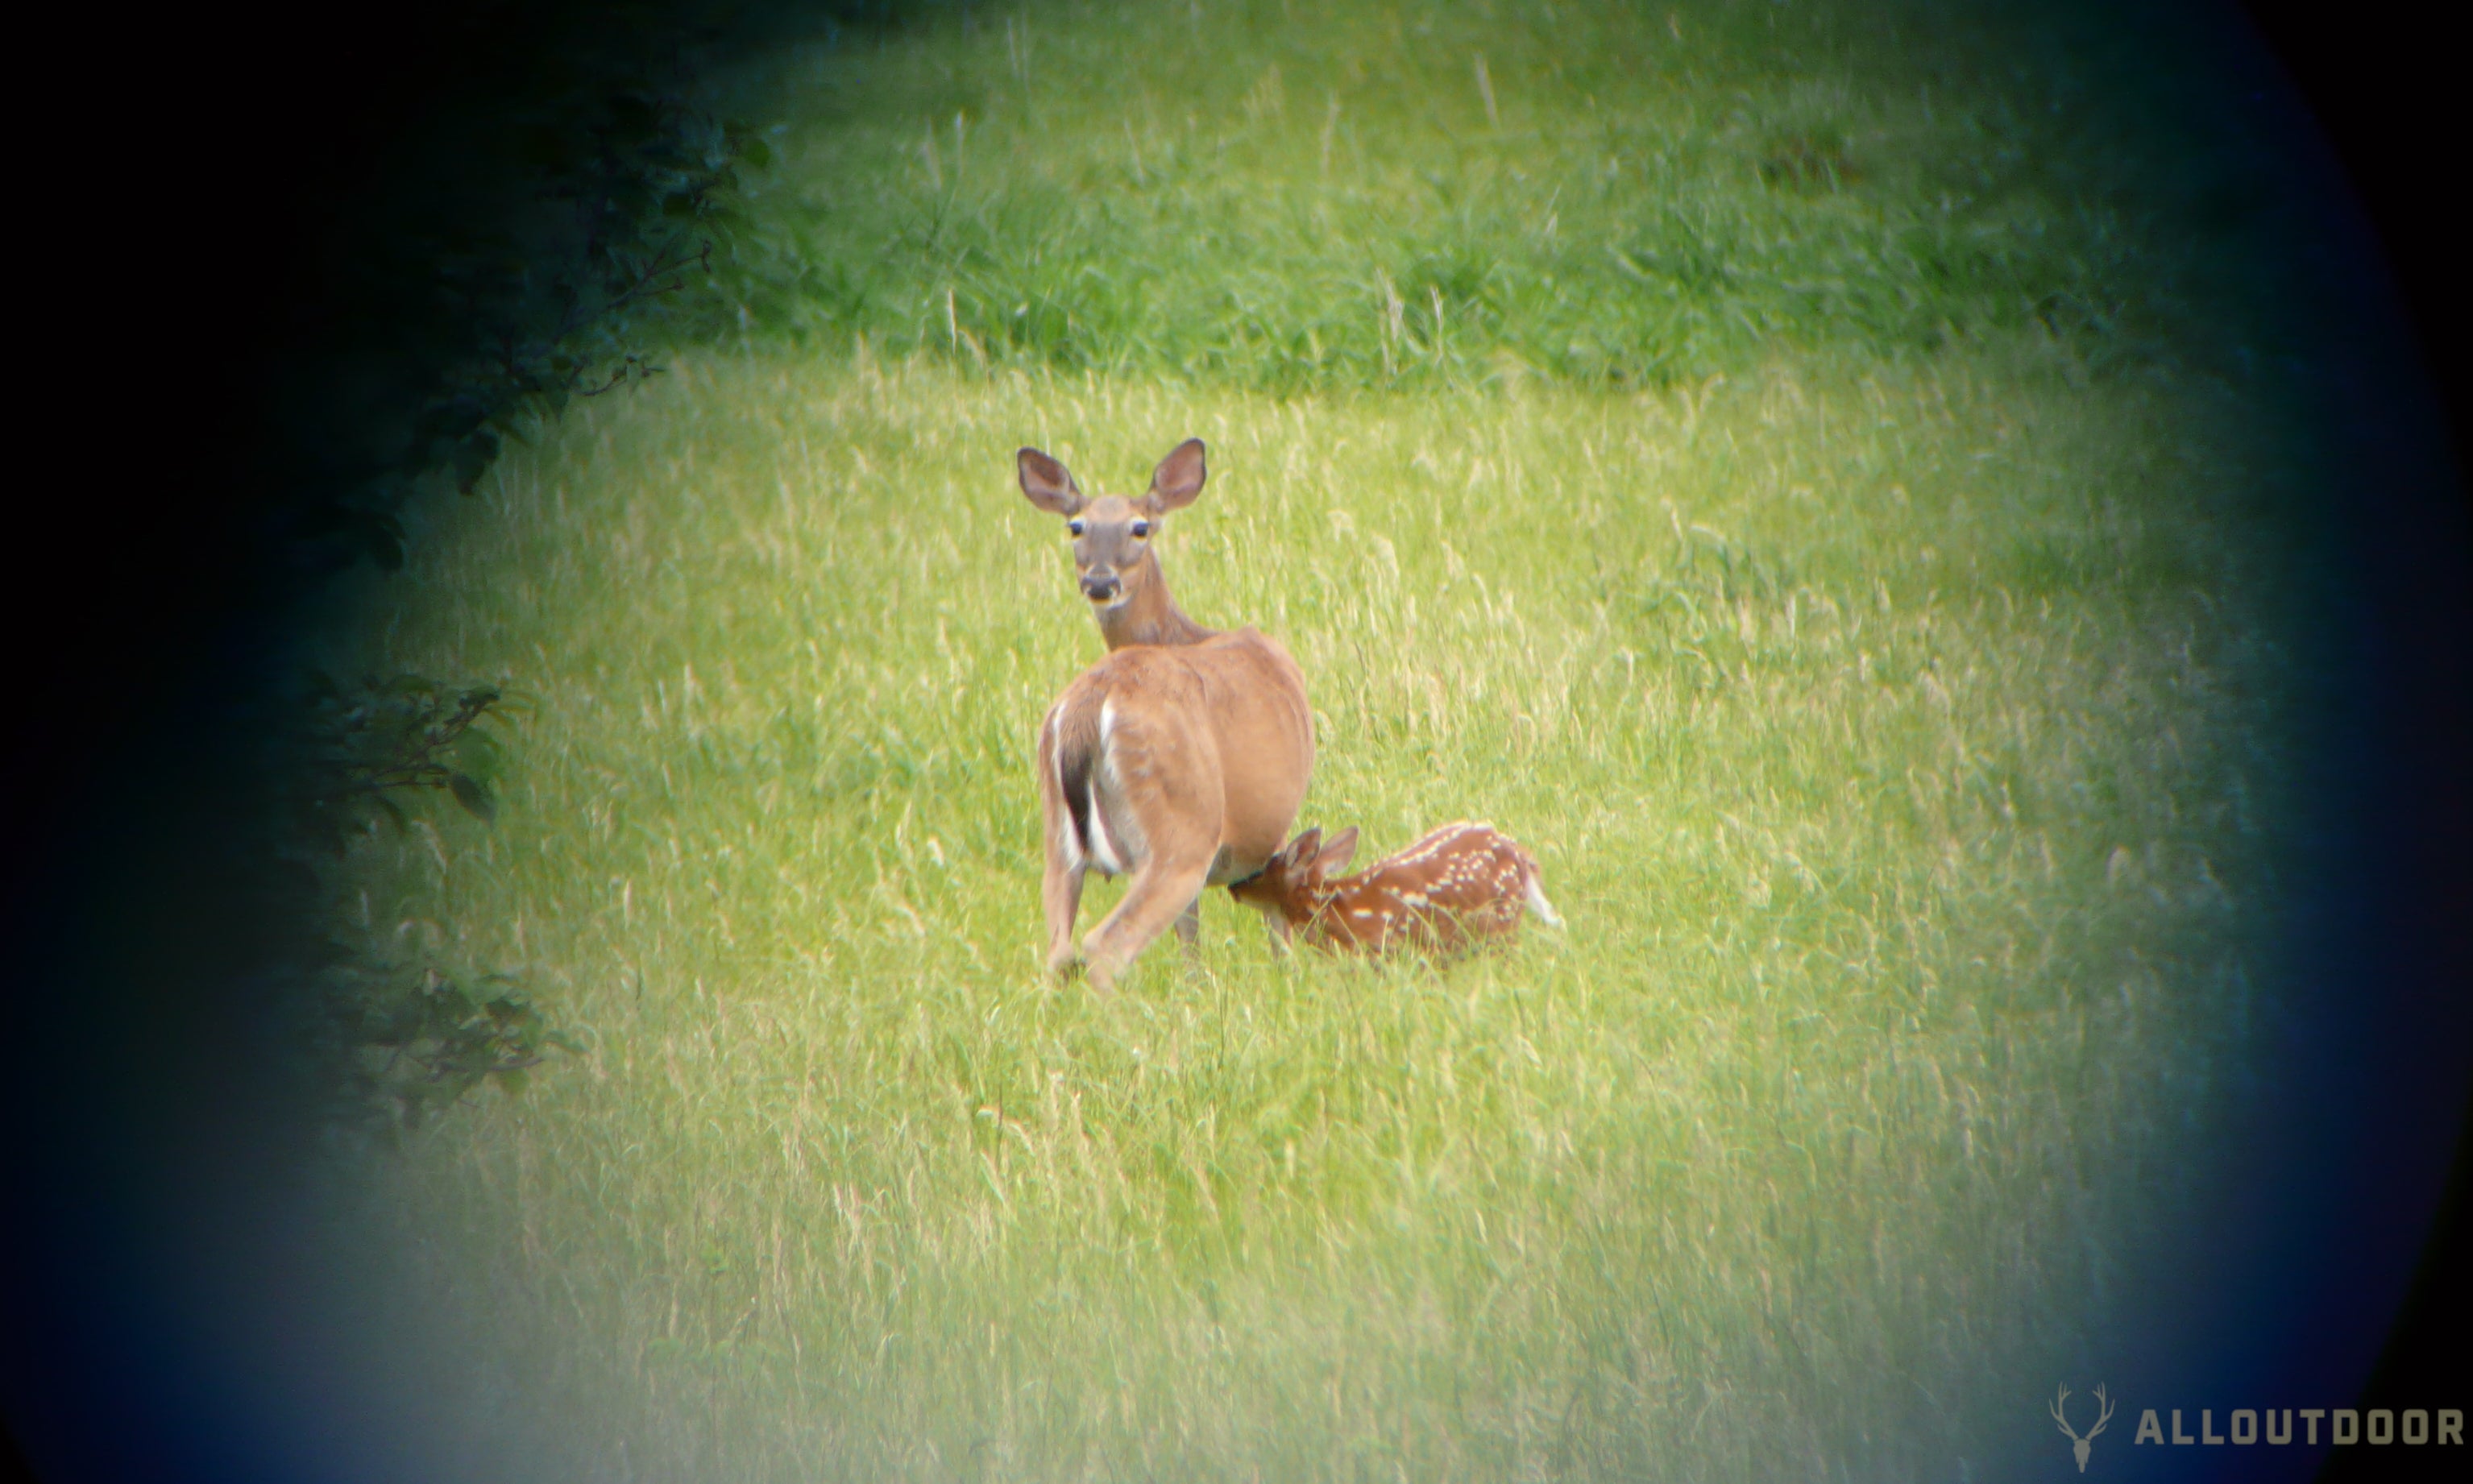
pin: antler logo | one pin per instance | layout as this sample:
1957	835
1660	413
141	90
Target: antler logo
2079	1445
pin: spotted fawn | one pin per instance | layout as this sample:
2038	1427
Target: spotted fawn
1458	886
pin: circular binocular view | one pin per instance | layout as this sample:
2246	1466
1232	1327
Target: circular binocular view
1260	740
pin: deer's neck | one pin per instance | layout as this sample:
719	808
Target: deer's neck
1150	616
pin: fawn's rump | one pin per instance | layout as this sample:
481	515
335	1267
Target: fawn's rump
1454	887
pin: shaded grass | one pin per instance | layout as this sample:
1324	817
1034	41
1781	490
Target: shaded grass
1283	197
1896	736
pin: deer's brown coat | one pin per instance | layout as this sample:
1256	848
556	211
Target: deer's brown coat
1181	758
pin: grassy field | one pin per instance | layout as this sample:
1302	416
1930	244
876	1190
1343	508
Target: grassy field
1874	646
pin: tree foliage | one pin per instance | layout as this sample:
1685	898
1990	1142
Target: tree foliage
540	213
500	294
528	230
396	1040
407	732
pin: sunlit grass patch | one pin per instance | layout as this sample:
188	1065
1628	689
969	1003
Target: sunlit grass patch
1894	736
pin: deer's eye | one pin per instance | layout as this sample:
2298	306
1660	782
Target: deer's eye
1141	530
1074	526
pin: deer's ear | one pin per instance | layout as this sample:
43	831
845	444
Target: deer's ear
1337	855
1177	480
1047	485
1299	852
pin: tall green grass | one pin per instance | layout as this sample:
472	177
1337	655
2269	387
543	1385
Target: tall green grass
1895	719
1285	197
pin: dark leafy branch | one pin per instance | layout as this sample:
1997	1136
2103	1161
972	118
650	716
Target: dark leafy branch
404	733
402	1040
423	1039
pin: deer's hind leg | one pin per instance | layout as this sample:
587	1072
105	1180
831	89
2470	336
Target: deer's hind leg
1061	896
1158	810
1163	892
1160	798
1060	887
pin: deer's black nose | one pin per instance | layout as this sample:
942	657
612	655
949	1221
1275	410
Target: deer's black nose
1101	590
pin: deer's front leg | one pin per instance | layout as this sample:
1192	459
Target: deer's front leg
1189	929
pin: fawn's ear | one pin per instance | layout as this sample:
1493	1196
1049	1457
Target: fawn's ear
1334	856
1299	854
1177	480
1048	485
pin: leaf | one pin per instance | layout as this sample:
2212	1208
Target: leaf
756	154
515	1080
514	1017
478	752
474	796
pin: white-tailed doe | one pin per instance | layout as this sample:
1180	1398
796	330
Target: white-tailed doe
1181	758
1457	886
